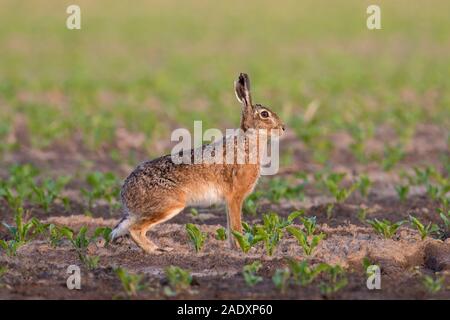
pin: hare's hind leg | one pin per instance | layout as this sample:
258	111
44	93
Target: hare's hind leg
139	229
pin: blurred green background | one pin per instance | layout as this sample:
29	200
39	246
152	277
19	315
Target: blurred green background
151	66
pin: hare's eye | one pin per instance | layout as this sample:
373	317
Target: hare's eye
264	114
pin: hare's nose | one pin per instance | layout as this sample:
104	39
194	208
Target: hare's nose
283	128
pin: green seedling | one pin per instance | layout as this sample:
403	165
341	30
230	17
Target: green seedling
290	219
310	225
366	263
49	191
445	216
424	231
323	179
321	150
303	273
384	227
302	175
336	280
102	186
3	271
250	273
433	191
248	238
423	176
445	189
446	160
360	133
437	185
364	184
179	280
131	283
5	129
80	243
329	210
270	237
104	233
18	187
10	247
402	192
342	194
22	174
307	243
194	212
272	229
251	203
90	261
57	234
280	189
196	237
392	155
332	184
433	285
280	279
21	232
357	147
306	130
445	202
221	234
15	200
286	157
362	214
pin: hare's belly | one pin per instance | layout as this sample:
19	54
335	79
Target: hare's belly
205	195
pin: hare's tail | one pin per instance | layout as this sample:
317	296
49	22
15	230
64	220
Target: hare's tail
121	228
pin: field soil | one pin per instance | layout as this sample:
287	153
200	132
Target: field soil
39	271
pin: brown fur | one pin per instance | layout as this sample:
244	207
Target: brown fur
159	189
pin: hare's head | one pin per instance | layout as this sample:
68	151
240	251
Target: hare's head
255	116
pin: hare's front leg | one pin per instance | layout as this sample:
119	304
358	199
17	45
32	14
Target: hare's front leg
234	208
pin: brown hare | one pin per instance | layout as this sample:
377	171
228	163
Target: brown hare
159	189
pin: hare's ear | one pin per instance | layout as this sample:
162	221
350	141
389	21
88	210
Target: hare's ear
242	90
